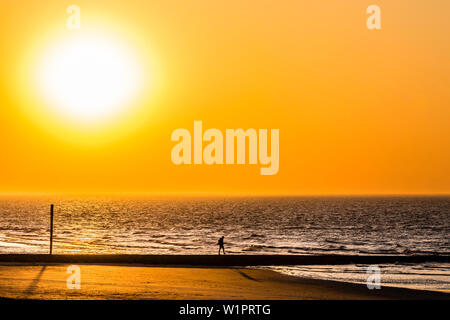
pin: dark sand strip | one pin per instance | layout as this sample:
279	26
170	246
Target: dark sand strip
221	261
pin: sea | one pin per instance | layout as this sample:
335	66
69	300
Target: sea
137	224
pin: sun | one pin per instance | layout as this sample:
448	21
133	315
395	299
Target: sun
89	78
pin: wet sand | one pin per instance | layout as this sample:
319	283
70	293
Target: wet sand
49	281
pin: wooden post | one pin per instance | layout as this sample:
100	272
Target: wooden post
51	228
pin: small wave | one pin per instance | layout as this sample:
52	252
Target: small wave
253	248
13	244
254	235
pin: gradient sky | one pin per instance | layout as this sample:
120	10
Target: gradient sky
359	111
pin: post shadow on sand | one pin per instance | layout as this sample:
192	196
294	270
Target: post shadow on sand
221	245
33	285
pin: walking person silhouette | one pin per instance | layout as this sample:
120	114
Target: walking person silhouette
221	247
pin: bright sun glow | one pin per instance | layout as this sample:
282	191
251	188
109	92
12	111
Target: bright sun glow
89	79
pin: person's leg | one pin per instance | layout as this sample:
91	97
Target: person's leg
219	251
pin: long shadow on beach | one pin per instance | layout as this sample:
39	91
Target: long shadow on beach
245	275
33	285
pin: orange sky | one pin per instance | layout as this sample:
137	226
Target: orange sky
359	111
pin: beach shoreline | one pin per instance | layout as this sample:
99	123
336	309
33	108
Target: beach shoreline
144	282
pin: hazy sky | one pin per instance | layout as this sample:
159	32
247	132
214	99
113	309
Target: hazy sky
358	111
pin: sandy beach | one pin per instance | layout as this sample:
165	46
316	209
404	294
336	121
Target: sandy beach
49	281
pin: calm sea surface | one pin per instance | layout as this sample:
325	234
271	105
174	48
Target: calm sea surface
304	225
